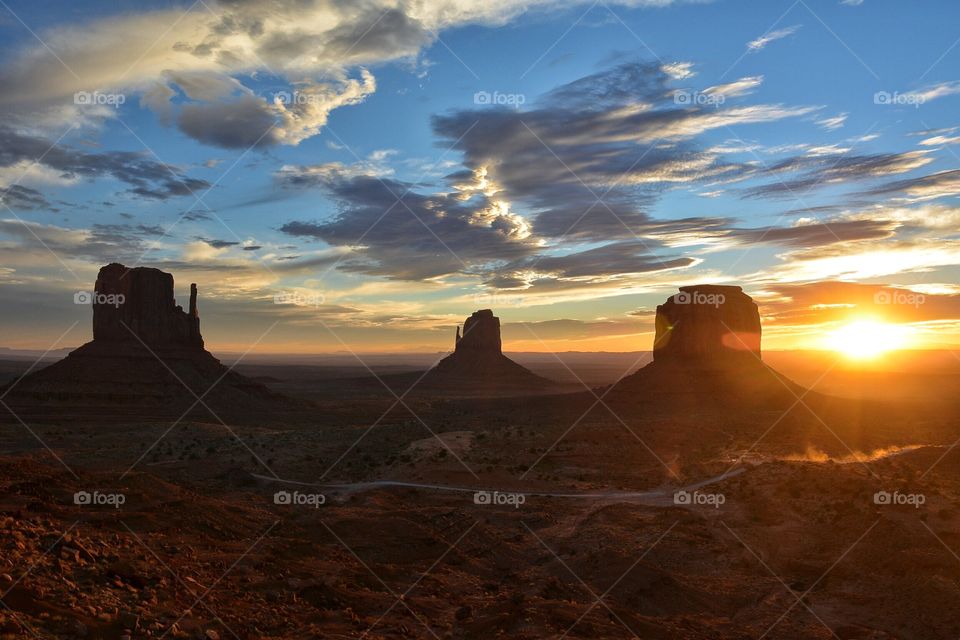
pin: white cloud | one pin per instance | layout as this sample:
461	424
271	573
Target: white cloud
314	46
833	123
938	140
679	70
740	87
770	36
935	91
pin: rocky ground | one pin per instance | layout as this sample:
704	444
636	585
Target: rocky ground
208	531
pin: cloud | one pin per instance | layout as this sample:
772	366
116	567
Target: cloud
553	201
832	301
929	187
863	260
741	87
584	163
251	121
679	70
833	123
816	234
532	335
910	239
239	124
144	176
615	259
935	91
198	57
770	36
826	169
940	139
400	234
219	244
19	197
100	244
588	157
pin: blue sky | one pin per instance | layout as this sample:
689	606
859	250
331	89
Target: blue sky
804	150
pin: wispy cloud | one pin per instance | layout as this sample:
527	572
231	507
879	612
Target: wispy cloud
942	184
679	70
834	123
935	91
939	140
146	178
770	36
740	87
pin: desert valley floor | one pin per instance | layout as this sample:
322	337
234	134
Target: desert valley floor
586	538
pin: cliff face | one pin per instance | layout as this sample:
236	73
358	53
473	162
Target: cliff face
708	325
116	375
481	333
139	303
706	356
477	365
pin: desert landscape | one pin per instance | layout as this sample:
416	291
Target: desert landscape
460	320
705	495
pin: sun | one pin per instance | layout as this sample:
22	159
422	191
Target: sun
866	339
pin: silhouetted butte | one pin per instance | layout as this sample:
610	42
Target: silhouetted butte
147	355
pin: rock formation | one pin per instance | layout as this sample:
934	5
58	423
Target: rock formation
138	304
707	325
147	356
481	334
477	365
706	351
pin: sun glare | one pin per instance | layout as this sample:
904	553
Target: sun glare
865	339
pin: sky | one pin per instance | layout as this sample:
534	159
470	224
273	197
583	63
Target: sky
361	176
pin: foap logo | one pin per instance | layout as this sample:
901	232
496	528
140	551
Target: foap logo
698	99
111	299
898	99
908	298
494	300
499	99
299	299
698	297
688	499
885	498
95	98
281	97
297	499
98	499
288	98
499	498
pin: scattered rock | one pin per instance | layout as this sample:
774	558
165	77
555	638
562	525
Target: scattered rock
129	620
